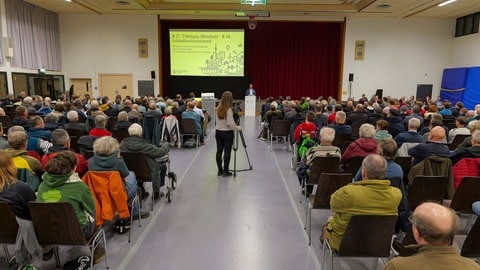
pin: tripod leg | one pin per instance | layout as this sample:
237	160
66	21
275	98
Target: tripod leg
235	156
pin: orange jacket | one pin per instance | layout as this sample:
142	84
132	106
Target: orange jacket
109	193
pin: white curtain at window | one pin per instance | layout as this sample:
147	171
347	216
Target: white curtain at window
35	36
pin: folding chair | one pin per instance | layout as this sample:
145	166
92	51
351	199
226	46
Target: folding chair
466	194
355	164
327	185
457	141
399	247
330	164
56	224
96	181
365	236
280	128
120	134
340	139
406	164
426	188
138	163
471	245
187	127
9	229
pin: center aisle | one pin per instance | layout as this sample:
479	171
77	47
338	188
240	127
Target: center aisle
252	221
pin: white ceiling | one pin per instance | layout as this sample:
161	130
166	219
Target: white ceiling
279	9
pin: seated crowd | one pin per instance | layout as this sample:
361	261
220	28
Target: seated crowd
380	131
40	158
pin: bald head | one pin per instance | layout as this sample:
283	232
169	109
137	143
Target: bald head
434	224
437	134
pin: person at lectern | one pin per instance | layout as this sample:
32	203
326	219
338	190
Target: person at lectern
250	91
224	128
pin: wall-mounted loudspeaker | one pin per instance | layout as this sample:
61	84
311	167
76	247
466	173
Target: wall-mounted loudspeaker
152	74
350	77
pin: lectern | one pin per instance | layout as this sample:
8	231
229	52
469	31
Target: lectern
250	102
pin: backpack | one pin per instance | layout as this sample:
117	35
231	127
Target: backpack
306	144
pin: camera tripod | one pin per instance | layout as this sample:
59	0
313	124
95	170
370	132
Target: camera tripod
235	148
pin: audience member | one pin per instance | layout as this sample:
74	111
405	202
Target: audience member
61	142
122	121
100	130
382	131
16	193
411	135
395	123
362	146
357	115
18	141
434	227
73	123
191	114
38	130
21	117
476	208
307	128
372	196
51	121
470	152
135	143
153	110
434	146
339	126
107	157
460	123
324	149
62	184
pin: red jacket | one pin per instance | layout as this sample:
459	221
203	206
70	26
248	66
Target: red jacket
99	132
465	167
82	163
359	148
305	128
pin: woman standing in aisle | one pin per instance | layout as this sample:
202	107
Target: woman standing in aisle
224	127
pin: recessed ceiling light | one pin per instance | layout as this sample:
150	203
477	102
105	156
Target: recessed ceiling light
446	3
384	6
68	0
124	3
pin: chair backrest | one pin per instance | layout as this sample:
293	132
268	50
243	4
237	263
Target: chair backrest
327	185
187	126
426	188
85	143
368	236
74	132
88	154
152	129
356	128
458	140
138	163
355	164
467	193
471	245
281	127
112	120
409	239
330	164
120	134
90	122
74	144
8	223
406	164
6	123
340	139
56	224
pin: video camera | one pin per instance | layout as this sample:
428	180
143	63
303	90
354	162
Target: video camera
236	109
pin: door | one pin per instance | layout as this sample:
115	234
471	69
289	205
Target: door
112	85
81	87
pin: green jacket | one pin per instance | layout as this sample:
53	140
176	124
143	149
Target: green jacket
367	197
68	188
432	258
